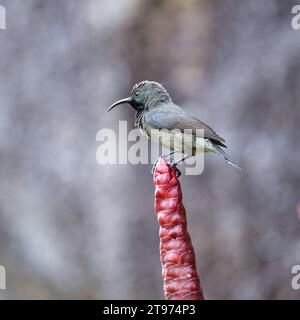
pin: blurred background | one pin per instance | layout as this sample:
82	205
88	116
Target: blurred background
71	228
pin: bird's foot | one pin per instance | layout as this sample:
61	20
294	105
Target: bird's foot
154	166
172	165
177	171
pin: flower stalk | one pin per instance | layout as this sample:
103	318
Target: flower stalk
180	278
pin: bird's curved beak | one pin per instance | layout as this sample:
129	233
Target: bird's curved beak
122	101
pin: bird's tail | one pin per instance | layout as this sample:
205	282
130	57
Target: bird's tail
227	158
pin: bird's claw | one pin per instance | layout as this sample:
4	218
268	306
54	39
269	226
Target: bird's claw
172	165
177	171
154	166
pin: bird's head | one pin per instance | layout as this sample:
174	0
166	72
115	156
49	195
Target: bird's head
144	96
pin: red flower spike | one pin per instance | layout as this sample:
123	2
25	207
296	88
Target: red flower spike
177	256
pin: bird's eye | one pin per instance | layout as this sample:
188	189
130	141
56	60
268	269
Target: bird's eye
137	93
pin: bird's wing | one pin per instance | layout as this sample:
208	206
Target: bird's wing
173	117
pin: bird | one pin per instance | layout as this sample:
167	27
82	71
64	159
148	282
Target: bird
157	115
